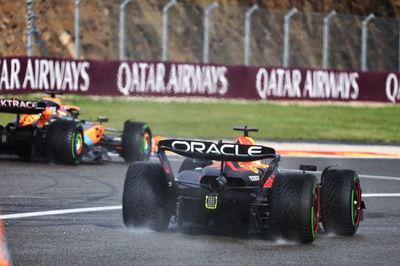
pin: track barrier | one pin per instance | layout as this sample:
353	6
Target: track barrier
134	78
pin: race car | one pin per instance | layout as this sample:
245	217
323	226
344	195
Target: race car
48	130
240	186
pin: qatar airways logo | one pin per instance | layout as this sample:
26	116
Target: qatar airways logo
172	79
213	148
392	88
44	74
310	84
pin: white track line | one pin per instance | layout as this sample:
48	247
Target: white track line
119	207
57	212
380	177
111	208
363	176
380	195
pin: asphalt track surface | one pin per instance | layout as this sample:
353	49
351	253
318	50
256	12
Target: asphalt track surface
99	237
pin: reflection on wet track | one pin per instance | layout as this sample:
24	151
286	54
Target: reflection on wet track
86	225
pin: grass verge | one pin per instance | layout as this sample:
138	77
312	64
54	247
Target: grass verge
215	119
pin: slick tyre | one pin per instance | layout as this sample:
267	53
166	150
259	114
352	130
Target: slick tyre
295	205
191	164
136	142
341	201
65	142
145	197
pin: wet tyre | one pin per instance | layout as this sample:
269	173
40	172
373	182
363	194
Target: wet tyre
295	205
191	164
341	201
65	142
136	142
145	197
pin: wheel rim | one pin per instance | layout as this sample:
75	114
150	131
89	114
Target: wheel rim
146	144
315	210
356	203
77	144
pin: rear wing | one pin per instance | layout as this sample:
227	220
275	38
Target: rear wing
216	151
211	151
15	106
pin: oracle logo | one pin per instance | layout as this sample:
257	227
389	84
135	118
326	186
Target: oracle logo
213	148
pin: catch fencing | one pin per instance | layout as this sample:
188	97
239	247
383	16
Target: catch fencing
219	34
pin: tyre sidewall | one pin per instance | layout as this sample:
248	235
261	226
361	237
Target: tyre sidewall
292	197
62	142
145	197
337	203
136	142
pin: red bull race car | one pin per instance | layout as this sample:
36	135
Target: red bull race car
240	186
49	130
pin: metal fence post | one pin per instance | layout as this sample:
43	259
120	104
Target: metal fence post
286	42
122	29
206	33
30	15
325	46
364	41
77	28
247	34
165	29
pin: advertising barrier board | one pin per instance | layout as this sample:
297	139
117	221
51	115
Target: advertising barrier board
134	78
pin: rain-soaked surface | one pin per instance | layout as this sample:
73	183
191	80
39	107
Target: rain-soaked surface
100	238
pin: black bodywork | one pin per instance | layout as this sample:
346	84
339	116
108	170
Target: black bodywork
25	141
242	191
241	200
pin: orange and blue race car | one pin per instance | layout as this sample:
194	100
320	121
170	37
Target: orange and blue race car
49	130
239	186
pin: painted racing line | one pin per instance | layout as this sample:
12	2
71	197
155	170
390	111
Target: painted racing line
59	212
119	207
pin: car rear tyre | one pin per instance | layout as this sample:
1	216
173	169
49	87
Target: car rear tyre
136	142
341	201
65	142
145	197
295	207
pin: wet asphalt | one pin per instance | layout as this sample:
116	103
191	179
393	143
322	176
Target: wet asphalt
100	238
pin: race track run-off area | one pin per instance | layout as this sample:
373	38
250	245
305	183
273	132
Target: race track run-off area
63	215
